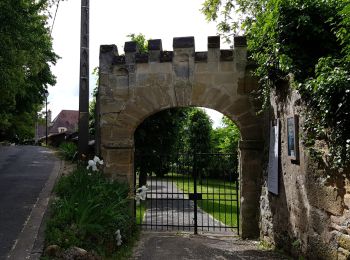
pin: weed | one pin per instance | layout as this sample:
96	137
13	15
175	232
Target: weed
68	150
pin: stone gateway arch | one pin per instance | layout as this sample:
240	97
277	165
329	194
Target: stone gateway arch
136	85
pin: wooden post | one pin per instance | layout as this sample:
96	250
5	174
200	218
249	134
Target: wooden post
84	81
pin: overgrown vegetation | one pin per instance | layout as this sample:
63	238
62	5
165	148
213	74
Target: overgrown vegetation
305	42
89	209
68	150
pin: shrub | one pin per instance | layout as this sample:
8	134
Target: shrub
68	150
88	212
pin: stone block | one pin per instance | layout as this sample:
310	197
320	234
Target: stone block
319	219
203	78
211	96
155	45
130	46
117	133
201	56
118	81
200	68
213	66
107	55
120	156
166	56
141	57
214	42
318	249
198	91
226	67
251	132
221	102
146	98
117	144
325	197
121	94
114	170
223	78
118	60
183	42
164	98
154	56
109	107
183	90
343	254
347	200
160	68
344	241
226	55
240	106
103	79
248	119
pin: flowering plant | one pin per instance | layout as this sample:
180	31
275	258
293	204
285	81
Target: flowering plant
93	163
141	194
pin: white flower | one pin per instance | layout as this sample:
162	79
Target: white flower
93	163
98	160
141	194
118	237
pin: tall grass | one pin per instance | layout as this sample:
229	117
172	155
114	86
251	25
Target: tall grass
68	150
88	211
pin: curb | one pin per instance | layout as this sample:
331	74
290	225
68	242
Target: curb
30	235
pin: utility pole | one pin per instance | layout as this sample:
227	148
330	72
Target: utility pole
84	81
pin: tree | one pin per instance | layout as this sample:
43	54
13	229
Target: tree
284	39
25	56
199	128
225	141
156	141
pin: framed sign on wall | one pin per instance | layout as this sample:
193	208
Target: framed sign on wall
292	135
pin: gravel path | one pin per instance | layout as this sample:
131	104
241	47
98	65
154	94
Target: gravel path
184	246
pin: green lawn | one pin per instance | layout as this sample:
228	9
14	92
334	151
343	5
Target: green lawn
217	197
140	212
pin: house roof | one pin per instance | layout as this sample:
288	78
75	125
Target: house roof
66	118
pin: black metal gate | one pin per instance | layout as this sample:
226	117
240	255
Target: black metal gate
188	192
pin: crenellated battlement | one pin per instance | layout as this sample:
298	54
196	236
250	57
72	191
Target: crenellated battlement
180	45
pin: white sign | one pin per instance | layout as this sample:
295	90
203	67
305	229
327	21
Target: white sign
272	178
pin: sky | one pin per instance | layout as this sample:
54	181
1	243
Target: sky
110	22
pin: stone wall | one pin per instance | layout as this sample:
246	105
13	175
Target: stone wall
310	216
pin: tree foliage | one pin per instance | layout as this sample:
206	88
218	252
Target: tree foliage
25	57
140	40
306	42
198	127
156	140
225	141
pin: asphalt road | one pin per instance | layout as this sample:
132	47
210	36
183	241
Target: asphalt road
24	170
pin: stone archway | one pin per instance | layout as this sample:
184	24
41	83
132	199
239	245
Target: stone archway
134	86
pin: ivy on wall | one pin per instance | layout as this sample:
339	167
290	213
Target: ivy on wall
309	41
